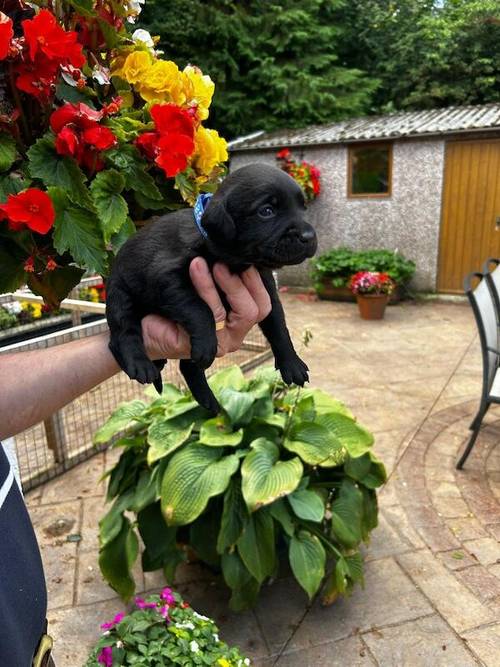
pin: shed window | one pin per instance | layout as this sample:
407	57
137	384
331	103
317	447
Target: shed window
370	169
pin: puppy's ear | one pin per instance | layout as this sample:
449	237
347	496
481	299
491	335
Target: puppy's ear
217	222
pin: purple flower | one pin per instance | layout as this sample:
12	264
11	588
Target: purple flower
164	612
168	596
111	624
140	603
105	657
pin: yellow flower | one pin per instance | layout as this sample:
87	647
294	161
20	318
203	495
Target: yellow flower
134	68
202	90
94	295
210	149
36	309
223	662
162	82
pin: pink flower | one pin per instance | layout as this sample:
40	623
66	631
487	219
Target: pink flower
164	612
111	624
105	657
168	596
140	603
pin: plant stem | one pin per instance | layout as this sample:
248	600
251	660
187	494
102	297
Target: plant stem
19	106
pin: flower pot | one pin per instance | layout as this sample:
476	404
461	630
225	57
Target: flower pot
327	292
372	306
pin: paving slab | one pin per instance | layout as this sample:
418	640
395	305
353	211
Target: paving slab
485	643
345	652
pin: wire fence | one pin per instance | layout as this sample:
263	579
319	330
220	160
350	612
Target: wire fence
65	439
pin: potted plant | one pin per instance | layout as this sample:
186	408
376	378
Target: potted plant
372	290
280	474
332	271
162	630
306	174
98	133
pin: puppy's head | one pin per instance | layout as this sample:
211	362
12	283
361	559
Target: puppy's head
258	215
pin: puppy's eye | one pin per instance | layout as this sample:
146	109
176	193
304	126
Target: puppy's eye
266	211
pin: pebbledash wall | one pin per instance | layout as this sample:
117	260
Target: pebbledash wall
407	221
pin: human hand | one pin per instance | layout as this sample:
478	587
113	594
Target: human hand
248	299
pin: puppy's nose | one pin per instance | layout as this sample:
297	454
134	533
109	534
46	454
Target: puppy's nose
307	235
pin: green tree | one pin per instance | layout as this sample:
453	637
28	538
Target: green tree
426	53
275	64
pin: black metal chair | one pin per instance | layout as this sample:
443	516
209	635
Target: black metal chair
485	302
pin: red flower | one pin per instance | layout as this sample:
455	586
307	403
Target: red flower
148	144
173	153
6	35
31	208
44	35
283	154
171	119
100	137
67	142
51	264
80	115
37	78
113	107
29	265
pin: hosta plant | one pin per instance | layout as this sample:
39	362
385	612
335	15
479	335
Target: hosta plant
281	473
162	630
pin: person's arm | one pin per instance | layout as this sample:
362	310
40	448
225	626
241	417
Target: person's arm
35	384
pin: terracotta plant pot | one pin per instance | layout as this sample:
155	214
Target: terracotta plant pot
372	306
327	292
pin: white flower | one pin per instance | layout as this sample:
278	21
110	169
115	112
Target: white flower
13	307
119	644
185	626
101	75
200	616
143	36
194	646
246	661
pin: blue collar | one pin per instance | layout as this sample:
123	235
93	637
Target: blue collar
199	208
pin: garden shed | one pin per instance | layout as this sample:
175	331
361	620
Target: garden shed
426	183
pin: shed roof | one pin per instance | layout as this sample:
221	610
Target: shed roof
391	126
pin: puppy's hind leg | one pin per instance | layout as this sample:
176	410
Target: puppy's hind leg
126	341
197	383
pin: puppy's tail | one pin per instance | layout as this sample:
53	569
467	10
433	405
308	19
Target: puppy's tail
158	383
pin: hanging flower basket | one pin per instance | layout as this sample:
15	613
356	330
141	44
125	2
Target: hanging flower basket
306	174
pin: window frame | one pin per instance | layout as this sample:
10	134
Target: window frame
364	195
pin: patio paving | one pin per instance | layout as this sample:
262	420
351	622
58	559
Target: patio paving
432	594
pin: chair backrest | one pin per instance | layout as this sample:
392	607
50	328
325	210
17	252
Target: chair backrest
491	270
485	311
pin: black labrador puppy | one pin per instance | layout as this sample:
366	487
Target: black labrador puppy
255	218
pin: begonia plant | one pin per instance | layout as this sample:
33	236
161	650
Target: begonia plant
98	131
306	174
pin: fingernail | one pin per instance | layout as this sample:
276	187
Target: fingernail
199	266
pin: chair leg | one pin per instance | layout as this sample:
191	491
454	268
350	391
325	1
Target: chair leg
477	425
480	415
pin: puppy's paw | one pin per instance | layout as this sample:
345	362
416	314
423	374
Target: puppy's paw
138	367
203	350
208	401
293	370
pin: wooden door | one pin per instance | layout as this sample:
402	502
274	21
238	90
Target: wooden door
470	220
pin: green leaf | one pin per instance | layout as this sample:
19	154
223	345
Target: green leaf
125	415
56	285
180	407
307	559
323	402
11	184
83	7
217	432
128	162
367	469
231	377
265	478
110	205
315	445
234	516
280	512
117	558
256	545
77	230
245	588
347	512
350	434
163	439
127	230
193	476
112	522
203	537
12	257
7	151
58	170
237	404
160	541
145	490
307	505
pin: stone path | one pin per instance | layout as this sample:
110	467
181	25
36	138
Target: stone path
432	594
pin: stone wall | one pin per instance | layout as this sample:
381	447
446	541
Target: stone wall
408	221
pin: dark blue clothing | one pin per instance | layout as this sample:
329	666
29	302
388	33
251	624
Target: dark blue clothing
23	595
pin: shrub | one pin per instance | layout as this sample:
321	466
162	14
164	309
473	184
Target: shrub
339	264
280	471
163	630
7	320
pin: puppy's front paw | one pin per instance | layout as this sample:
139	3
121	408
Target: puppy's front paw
204	349
136	364
293	370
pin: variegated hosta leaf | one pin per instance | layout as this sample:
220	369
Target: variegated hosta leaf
264	477
356	439
123	416
323	402
180	407
194	475
217	432
307	559
163	439
315	445
307	505
237	404
228	377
